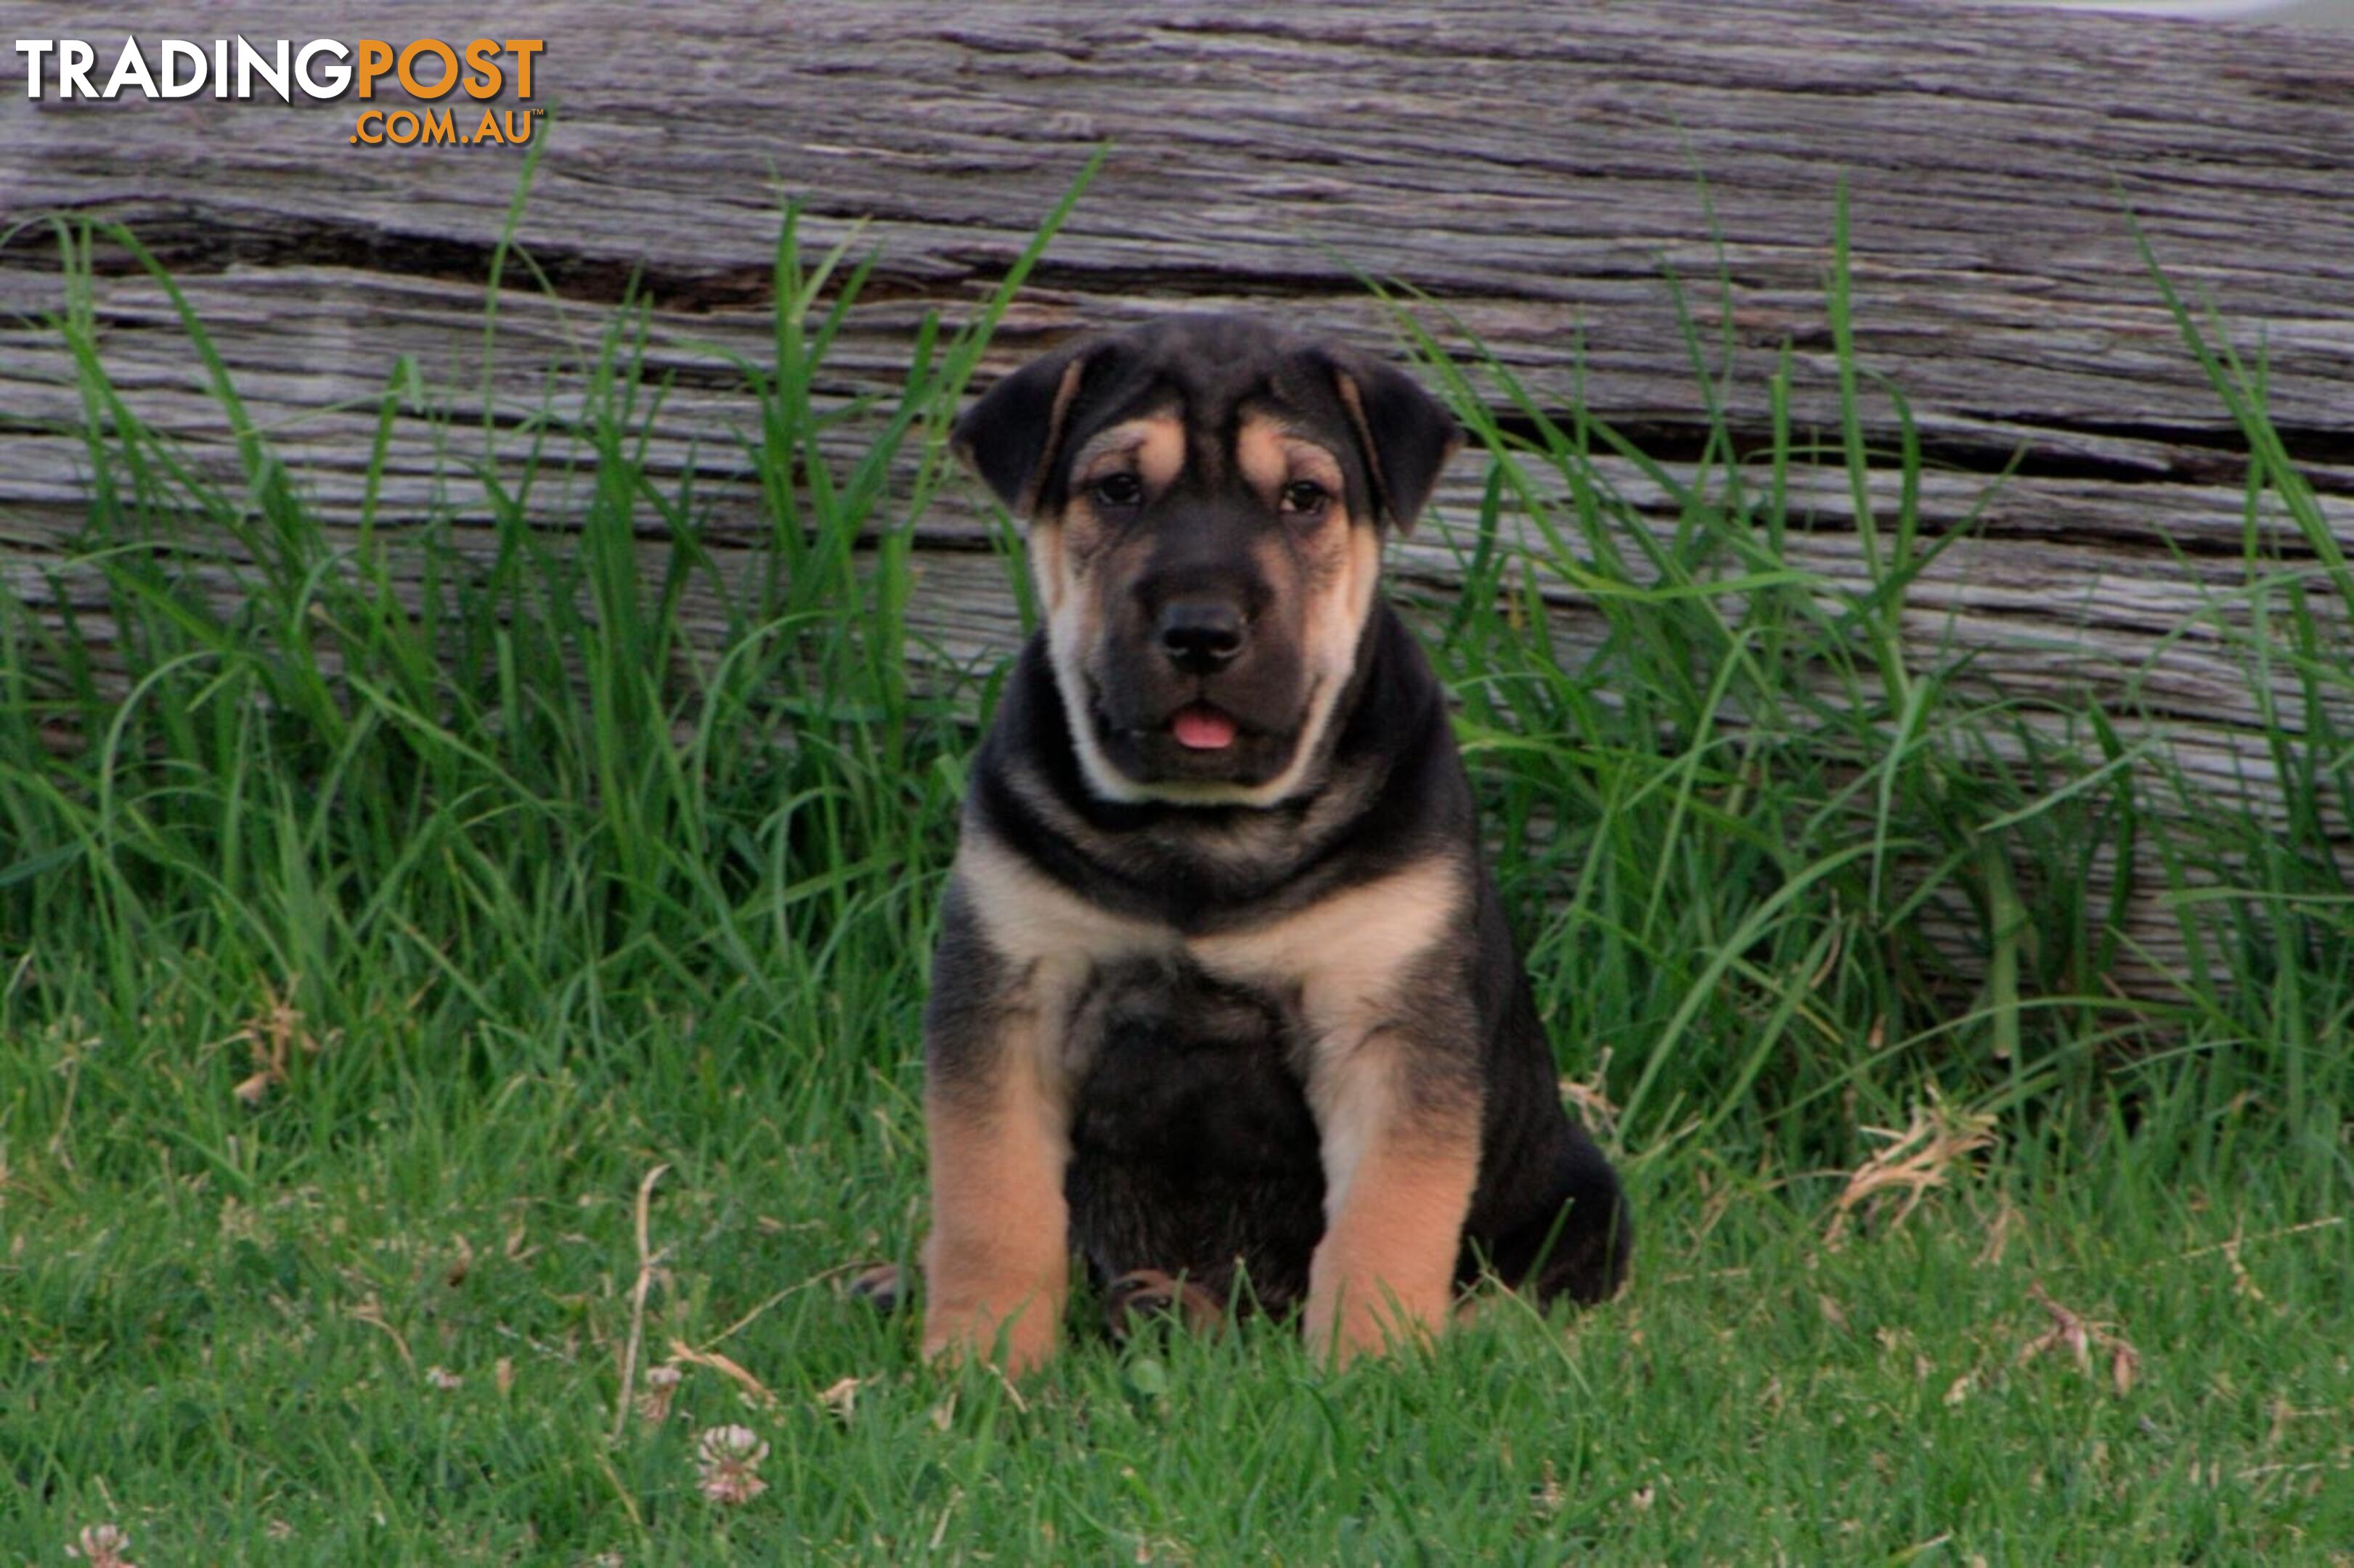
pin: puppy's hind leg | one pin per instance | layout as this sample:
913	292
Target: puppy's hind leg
1589	1232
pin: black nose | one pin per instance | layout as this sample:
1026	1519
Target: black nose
1201	635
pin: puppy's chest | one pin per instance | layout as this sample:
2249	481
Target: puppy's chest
1170	1065
1327	969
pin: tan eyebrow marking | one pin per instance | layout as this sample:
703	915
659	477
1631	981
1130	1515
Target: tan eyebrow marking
1155	444
1272	456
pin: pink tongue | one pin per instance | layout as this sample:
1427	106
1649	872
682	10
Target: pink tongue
1203	728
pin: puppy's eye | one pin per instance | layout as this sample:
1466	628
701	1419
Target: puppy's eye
1117	490
1305	498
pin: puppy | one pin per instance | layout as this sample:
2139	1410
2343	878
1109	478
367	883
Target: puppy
1224	999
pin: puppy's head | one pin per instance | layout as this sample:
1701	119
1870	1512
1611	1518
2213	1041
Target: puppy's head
1207	498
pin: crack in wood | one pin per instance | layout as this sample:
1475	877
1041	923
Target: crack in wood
2206	457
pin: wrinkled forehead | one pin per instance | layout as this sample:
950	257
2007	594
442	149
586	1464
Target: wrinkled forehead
1212	385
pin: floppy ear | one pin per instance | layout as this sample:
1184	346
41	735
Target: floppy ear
1403	433
1013	434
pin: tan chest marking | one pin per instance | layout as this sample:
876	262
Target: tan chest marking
1349	953
1345	956
1053	939
1031	919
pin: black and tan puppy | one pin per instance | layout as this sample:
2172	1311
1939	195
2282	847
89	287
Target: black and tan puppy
1223	983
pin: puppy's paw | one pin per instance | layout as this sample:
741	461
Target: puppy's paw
1015	1343
883	1286
1141	1296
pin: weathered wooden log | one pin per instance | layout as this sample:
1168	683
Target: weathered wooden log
1537	171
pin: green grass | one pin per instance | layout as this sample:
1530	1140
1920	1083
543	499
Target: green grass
497	905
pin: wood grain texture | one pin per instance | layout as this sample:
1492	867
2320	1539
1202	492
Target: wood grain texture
1533	168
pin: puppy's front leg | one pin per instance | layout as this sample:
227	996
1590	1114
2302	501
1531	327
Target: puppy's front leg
1401	1150
998	1121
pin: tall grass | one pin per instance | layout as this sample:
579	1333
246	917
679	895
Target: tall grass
1791	866
1728	830
516	791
